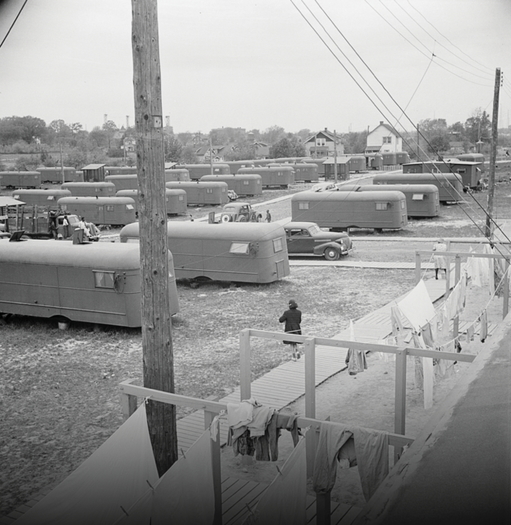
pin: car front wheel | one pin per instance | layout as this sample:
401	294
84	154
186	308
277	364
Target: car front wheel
331	254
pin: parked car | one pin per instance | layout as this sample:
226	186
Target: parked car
307	238
239	212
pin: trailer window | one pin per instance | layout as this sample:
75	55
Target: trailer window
277	244
209	190
239	247
303	205
381	206
104	279
109	207
418	197
50	198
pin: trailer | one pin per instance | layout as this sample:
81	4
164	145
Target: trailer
90	189
110	211
272	176
231	252
175	200
450	185
244	185
20	179
422	200
196	171
120	170
58	175
205	193
44	199
305	172
93	283
177	174
342	210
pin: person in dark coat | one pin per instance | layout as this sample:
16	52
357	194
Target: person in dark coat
293	319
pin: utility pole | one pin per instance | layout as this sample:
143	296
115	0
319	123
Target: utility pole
335	156
418	143
158	361
493	155
211	155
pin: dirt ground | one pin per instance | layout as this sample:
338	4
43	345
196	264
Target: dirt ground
59	394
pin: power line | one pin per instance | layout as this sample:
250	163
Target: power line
419	50
379	110
12	25
440	43
454	45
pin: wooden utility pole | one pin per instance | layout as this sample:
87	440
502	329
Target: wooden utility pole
158	361
493	155
335	156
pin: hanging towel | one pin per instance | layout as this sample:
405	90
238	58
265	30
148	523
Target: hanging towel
417	306
332	437
115	475
240	414
174	497
371	450
285	500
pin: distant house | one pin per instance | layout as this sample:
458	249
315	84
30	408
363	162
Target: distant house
323	144
383	139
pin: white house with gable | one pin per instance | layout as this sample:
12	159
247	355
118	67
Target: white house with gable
383	139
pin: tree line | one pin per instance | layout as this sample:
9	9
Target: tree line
49	144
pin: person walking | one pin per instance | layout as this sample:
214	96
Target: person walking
293	319
440	260
268	216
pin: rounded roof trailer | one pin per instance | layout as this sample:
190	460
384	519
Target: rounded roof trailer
101	210
89	189
232	252
450	185
176	200
94	282
422	200
344	209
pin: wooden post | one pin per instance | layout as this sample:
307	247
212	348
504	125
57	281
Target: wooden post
400	391
505	305
216	463
457	276
418	269
323	508
245	373
158	358
310	401
400	398
310	378
493	155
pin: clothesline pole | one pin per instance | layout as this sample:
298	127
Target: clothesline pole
216	465
310	400
457	277
418	269
400	392
245	373
323	508
310	378
505	305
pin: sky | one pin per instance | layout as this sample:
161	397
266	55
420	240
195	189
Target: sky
258	64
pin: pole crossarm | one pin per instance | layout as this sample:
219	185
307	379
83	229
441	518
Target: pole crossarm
128	388
359	345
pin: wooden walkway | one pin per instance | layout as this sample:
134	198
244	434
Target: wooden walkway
286	383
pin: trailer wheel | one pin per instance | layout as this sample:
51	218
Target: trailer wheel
331	254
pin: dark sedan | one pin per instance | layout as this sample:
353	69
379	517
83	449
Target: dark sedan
307	238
